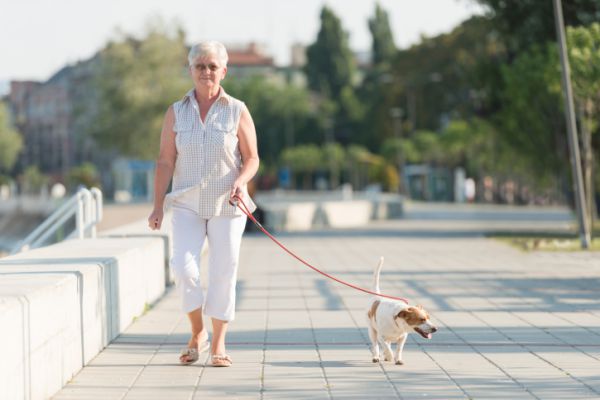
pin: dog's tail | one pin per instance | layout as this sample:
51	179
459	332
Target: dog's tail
376	276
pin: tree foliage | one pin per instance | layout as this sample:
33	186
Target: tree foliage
383	47
531	118
330	72
136	81
303	159
11	141
33	180
85	174
525	23
330	65
584	57
283	114
375	90
445	77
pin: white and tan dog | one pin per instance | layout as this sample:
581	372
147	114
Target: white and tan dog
391	321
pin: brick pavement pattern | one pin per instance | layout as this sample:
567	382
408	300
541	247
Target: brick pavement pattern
513	325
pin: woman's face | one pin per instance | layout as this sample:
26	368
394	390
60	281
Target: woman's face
207	71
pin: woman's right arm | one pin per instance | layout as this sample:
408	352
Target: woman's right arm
165	166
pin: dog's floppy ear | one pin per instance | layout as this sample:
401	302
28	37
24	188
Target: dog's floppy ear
405	313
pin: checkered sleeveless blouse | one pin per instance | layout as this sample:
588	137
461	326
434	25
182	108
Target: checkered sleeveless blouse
208	156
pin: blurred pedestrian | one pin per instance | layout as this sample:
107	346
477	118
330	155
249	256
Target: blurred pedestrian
208	147
470	190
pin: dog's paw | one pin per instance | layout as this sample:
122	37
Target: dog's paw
375	360
399	362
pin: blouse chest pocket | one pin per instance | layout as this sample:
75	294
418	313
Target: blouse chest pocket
222	132
184	135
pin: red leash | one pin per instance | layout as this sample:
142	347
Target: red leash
245	210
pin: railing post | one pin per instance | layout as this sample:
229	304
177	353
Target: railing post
81	218
97	212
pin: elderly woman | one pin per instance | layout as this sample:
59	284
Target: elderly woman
208	147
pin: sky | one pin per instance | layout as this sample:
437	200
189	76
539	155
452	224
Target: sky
38	37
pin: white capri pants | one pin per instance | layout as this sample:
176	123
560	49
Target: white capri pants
224	236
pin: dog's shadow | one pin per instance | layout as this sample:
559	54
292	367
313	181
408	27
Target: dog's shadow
315	364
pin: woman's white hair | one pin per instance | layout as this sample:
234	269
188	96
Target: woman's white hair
209	48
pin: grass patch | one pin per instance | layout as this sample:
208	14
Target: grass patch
548	244
550	241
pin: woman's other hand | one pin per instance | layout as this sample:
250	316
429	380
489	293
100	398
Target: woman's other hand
155	219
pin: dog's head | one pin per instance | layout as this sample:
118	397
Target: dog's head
418	319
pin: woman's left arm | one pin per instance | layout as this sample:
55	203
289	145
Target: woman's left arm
249	151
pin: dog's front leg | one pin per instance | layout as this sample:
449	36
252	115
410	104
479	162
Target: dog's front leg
374	344
387	349
399	348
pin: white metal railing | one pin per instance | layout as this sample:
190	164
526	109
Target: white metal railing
85	206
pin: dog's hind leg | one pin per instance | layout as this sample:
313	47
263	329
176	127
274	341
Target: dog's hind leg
374	344
399	347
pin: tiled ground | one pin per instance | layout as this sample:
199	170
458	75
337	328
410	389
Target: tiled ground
513	325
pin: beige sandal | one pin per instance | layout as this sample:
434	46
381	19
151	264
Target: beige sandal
221	360
192	355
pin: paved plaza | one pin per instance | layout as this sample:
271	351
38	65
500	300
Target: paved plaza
512	324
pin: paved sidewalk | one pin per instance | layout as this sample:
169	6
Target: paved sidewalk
513	325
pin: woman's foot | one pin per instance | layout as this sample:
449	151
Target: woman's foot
197	344
220	360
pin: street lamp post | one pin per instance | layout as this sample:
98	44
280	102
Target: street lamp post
584	225
330	140
396	114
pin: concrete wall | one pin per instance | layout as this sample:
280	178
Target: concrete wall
60	305
338	209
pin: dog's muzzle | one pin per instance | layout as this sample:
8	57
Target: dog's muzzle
425	334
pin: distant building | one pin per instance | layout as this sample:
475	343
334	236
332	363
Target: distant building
48	116
298	55
249	60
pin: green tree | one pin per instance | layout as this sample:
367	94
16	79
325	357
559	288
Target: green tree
334	156
383	47
445	77
330	71
526	23
330	65
283	114
11	142
85	174
33	180
303	159
386	174
531	120
400	151
358	162
584	56
135	83
375	89
472	145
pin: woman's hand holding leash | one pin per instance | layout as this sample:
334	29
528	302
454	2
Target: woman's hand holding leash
235	194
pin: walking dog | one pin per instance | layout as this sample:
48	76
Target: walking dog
391	321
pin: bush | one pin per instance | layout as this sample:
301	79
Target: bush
84	175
